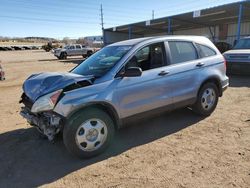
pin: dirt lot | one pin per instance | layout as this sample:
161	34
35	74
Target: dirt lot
177	149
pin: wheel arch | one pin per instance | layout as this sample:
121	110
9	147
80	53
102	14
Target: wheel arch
105	106
215	80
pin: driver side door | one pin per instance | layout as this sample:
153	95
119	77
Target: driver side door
151	90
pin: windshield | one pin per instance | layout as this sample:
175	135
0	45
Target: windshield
102	61
243	44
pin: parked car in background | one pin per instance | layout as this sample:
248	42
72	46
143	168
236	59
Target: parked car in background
122	82
27	47
17	47
2	73
238	59
10	48
73	50
223	46
3	48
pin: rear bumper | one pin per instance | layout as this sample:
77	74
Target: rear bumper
224	85
240	68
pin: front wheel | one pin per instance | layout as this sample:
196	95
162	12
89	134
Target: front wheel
88	132
89	53
63	56
207	99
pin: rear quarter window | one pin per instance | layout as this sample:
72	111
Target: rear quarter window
205	51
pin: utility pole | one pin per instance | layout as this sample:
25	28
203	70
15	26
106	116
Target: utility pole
102	24
153	14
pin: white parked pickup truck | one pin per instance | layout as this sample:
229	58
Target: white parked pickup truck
73	50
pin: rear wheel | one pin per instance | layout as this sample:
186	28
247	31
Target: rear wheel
207	99
88	132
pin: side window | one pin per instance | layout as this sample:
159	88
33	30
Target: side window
72	47
205	51
182	51
149	57
78	47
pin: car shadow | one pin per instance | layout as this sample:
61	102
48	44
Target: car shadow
27	161
239	81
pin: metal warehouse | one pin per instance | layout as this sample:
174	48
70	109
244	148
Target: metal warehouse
225	23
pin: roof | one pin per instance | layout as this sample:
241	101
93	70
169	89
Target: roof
209	17
132	42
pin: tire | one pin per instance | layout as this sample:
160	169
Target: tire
63	56
88	132
89	53
207	99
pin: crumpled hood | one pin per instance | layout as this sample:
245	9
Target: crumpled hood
43	83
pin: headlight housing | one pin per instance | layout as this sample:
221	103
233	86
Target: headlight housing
46	102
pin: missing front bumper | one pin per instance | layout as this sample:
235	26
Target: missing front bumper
48	123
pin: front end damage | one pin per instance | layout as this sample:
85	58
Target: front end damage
47	123
42	93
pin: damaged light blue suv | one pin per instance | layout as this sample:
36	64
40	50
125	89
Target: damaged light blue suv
122	82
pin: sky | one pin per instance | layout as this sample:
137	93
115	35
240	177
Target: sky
80	18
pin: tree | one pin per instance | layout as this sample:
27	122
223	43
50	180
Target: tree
66	40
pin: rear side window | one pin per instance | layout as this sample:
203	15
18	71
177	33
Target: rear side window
182	51
205	51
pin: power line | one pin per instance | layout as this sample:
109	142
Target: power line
79	6
49	20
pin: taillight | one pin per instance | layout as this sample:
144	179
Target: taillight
225	62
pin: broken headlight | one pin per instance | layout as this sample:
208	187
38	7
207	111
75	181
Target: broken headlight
46	102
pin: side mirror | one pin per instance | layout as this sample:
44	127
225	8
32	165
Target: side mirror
131	72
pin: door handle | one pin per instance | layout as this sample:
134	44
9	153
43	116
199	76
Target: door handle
162	73
200	64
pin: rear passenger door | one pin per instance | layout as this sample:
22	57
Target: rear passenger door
185	71
78	50
71	50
